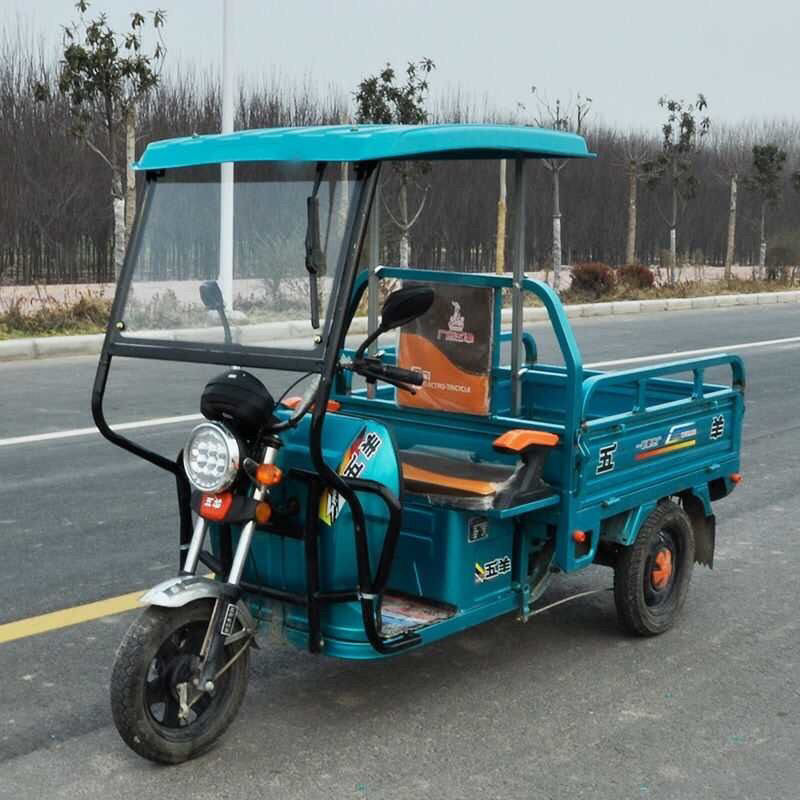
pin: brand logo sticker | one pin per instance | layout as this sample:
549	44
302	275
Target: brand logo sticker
717	427
230	618
455	327
492	569
478	529
605	459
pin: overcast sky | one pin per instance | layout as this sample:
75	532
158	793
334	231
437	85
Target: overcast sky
743	55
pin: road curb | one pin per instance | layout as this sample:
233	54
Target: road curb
90	344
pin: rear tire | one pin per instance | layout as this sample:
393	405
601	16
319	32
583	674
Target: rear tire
651	576
157	653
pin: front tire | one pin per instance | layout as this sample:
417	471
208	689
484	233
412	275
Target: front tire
156	655
651	577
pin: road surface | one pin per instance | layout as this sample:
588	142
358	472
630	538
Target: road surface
563	707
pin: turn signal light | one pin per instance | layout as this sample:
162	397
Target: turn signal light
263	513
579	536
736	477
268	474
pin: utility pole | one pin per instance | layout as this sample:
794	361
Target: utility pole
226	176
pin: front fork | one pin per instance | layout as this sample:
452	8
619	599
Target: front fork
228	606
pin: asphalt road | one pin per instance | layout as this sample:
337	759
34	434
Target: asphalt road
563	707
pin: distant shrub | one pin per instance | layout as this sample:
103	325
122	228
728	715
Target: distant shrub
593	278
635	276
46	316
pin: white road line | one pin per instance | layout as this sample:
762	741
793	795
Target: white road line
152	423
686	353
124	426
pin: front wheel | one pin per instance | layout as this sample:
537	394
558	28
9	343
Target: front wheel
151	684
651	577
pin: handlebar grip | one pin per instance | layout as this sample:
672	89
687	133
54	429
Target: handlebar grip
409	376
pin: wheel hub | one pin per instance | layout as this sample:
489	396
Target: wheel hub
662	568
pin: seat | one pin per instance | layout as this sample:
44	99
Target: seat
452	346
461	482
425	473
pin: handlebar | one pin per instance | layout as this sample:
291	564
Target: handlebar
374	369
392	373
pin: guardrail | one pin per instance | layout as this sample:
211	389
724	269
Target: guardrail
639	378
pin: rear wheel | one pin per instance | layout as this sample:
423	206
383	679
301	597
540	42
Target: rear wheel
651	577
152	675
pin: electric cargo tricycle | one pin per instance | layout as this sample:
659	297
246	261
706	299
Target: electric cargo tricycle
418	486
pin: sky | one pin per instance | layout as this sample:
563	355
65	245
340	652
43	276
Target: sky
743	56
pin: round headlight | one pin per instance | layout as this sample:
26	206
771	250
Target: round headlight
211	457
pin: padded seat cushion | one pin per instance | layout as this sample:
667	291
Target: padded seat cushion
460	482
426	473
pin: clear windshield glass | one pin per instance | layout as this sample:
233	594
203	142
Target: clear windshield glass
268	302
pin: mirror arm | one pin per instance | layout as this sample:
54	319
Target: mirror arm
359	354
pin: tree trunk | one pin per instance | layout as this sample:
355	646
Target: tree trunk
556	228
130	174
344	194
500	246
405	245
729	250
630	245
762	250
673	237
118	201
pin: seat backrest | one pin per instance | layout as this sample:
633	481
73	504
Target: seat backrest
452	346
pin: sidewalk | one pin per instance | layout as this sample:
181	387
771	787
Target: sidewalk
53	346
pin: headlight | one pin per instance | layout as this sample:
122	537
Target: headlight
211	457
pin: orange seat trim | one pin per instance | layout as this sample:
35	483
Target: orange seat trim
465	485
515	441
294	401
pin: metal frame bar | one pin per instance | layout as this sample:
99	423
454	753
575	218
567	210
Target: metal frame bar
518	215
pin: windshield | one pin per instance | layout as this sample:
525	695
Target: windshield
267	289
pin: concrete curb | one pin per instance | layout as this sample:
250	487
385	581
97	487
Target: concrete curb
90	344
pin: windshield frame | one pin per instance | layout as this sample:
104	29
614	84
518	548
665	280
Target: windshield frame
306	359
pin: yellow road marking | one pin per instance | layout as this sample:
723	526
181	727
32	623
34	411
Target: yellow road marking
67	617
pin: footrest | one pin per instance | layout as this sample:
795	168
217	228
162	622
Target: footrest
402	614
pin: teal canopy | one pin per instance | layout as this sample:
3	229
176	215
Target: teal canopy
365	143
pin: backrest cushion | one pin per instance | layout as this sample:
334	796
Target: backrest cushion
452	346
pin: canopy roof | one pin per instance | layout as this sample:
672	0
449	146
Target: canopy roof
365	143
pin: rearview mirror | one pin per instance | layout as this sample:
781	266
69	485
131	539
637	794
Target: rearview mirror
405	305
211	295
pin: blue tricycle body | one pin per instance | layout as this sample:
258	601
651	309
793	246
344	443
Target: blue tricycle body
628	440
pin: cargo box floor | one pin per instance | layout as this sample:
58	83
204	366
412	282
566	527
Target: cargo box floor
400	614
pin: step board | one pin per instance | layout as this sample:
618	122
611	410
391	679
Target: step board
401	614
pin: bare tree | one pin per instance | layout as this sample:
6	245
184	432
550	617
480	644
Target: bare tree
380	99
637	150
765	181
500	244
680	134
104	75
569	117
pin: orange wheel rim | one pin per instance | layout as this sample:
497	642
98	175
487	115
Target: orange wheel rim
662	570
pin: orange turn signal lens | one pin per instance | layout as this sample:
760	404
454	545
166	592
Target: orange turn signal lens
263	513
580	536
736	477
268	474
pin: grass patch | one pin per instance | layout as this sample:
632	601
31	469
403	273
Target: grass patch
624	291
47	316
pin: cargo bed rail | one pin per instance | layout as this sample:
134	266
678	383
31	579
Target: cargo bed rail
640	377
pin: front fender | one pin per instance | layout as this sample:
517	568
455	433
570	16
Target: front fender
177	592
